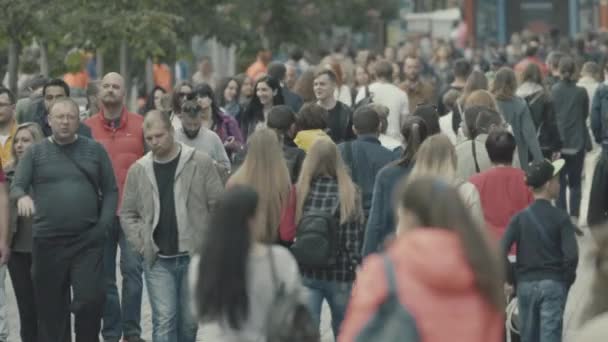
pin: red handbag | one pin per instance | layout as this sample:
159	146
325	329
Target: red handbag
287	227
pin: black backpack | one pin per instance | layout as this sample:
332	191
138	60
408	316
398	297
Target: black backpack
368	99
316	242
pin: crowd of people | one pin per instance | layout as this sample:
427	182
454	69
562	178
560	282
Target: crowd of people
401	190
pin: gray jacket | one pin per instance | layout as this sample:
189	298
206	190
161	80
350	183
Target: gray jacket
197	188
516	112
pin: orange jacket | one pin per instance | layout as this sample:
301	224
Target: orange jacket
124	143
77	80
435	283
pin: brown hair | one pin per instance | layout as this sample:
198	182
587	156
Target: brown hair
505	84
304	86
476	81
532	74
439	205
481	98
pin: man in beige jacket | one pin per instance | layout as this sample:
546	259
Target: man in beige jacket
168	196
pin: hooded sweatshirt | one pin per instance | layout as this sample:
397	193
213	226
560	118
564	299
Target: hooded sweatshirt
434	287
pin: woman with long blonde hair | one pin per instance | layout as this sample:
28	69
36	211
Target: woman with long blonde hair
265	170
325	186
437	158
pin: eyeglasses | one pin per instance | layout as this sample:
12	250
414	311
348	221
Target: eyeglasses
188	96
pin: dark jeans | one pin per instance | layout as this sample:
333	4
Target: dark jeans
541	309
122	321
336	293
61	263
20	270
570	177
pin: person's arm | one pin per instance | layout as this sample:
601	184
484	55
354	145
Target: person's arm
22	182
529	133
220	154
376	221
596	115
550	122
212	183
109	191
511	236
132	223
4	221
585	104
569	251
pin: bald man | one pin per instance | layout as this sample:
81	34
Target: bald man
120	132
169	195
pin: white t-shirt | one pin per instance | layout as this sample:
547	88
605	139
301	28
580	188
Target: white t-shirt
395	99
343	95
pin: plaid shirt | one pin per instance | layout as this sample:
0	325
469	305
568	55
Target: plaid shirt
324	196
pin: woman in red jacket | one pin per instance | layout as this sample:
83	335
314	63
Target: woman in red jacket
447	276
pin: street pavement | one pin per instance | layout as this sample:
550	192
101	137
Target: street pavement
578	297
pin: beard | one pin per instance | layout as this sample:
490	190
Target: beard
191	134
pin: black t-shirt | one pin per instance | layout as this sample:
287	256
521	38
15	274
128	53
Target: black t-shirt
340	123
166	234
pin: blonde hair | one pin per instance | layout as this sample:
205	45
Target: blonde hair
265	170
34	130
436	157
481	98
323	159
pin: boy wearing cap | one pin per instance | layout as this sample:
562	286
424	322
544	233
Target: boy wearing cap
547	255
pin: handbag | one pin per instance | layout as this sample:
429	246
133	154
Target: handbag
287	226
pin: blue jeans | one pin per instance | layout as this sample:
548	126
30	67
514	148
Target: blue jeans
170	300
125	320
571	177
336	293
541	309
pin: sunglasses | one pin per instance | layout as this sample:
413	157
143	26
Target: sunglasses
188	96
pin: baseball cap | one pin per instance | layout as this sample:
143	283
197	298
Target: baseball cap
540	172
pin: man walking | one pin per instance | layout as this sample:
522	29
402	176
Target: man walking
169	194
74	203
121	134
340	117
418	91
279	72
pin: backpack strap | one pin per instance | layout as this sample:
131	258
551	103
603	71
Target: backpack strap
477	169
389	269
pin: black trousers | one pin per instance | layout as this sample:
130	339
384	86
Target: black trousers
20	270
64	263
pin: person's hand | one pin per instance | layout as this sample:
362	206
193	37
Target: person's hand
508	290
231	143
555	156
5	253
25	206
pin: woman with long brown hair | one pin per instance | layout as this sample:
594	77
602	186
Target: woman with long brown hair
517	114
325	187
440	266
476	81
265	170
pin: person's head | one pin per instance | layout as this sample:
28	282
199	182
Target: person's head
205	97
277	71
436	157
443	52
488	120
389	53
205	65
268	91
591	69
323	160
305	85
505	84
191	118
311	116
53	90
25	136
450	98
154	99
246	85
429	203
553	61
462	69
531	50
382	112
282	119
184	91
469	120
414	131
266	171
429	114
500	146
64	119
567	69
224	258
159	134
7	106
532	74
477	80
324	85
543	177
481	98
336	68
412	68
384	71
113	90
291	75
264	56
92	92
366	121
361	76
35	85
228	91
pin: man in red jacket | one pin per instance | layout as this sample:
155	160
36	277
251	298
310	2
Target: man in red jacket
121	134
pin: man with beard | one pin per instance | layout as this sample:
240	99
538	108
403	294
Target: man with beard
193	134
121	134
418	91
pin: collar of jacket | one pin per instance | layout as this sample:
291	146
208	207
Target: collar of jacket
108	124
147	161
370	138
